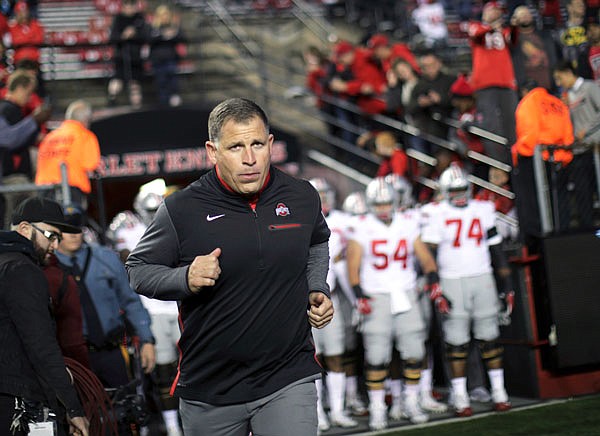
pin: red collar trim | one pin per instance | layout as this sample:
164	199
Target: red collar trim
251	200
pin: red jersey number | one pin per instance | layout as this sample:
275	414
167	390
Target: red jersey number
475	230
378	250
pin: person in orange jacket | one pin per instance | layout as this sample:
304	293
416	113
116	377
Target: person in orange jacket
76	146
541	119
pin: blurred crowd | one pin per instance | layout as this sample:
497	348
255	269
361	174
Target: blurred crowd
142	43
517	50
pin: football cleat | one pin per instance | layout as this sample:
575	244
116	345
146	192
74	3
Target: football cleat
480	394
501	401
413	412
323	421
341	420
396	413
429	404
462	406
356	407
378	417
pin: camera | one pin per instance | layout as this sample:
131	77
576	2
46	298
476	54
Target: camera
129	407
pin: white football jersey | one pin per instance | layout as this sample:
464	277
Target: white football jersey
387	263
127	237
461	236
338	221
335	248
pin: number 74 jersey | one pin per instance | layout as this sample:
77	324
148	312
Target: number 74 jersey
462	235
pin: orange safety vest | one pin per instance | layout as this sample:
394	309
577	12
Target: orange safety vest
74	145
543	119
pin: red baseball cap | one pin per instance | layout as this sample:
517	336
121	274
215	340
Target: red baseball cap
493	5
21	7
461	87
378	40
341	48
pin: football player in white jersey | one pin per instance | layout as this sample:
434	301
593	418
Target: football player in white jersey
381	268
329	341
427	402
463	233
354	205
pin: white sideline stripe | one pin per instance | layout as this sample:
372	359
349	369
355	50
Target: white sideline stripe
453	420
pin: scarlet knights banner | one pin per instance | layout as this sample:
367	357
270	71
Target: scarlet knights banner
164	142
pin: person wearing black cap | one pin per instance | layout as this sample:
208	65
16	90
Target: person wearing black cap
32	367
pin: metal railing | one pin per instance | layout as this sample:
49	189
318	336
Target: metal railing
553	205
62	189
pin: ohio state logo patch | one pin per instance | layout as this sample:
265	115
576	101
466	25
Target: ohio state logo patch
282	210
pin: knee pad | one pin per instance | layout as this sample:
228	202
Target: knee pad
457	352
349	358
375	376
490	351
412	371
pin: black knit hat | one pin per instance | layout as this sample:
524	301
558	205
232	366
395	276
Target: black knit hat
43	210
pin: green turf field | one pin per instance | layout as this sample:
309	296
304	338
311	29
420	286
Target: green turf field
576	417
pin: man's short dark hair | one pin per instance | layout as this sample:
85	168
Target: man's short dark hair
239	110
565	66
528	85
28	64
19	79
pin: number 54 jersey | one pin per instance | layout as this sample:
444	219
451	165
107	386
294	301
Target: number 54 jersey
387	262
462	235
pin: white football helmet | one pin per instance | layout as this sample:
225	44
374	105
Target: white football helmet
403	188
382	199
454	185
149	197
355	203
326	192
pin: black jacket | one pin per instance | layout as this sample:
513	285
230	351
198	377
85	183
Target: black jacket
31	364
163	49
248	336
130	49
15	161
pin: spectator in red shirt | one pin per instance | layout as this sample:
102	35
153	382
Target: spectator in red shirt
493	77
354	78
26	34
343	84
316	64
463	102
394	159
385	53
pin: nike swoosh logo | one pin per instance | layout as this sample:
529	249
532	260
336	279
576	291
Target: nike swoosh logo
212	218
